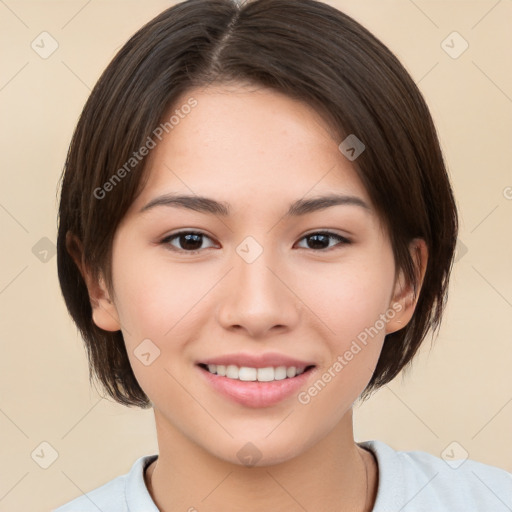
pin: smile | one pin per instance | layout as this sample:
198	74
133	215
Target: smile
255	387
248	374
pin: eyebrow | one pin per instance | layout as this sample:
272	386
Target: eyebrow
207	205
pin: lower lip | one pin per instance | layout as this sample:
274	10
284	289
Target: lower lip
253	393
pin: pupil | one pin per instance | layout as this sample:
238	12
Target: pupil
189	239
315	238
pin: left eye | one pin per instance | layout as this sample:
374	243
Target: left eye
322	237
190	241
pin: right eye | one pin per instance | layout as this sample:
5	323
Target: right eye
189	241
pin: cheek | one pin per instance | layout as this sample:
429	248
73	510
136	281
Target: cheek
349	297
154	295
352	303
355	339
155	304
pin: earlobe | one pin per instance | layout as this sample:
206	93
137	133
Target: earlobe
104	312
404	300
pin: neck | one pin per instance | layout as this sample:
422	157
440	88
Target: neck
333	475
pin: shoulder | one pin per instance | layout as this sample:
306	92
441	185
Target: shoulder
117	495
419	481
109	496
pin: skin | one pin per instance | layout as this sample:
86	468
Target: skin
259	151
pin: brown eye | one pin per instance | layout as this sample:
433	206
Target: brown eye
320	240
191	241
187	241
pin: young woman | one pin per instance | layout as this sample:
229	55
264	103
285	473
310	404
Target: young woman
256	230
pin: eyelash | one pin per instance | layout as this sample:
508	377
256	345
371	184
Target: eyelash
166	241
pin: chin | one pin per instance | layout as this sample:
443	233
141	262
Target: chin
261	452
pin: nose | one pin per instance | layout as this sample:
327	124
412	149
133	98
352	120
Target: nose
258	298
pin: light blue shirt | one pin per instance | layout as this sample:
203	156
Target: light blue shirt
408	482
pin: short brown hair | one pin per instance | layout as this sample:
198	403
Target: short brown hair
307	50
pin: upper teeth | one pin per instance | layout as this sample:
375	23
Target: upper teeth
268	374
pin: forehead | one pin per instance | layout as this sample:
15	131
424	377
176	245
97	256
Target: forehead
242	142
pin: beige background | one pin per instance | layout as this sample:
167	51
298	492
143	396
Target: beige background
460	391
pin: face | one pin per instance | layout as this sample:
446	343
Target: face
249	284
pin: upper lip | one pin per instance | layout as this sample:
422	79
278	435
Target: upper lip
257	360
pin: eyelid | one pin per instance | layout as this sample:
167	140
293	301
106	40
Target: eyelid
329	232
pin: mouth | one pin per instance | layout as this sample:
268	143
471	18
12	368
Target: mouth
256	381
252	374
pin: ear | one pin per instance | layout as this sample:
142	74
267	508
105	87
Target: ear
403	300
104	312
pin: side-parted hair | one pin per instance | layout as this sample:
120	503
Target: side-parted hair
305	49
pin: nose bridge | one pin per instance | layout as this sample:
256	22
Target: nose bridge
253	264
258	298
253	268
